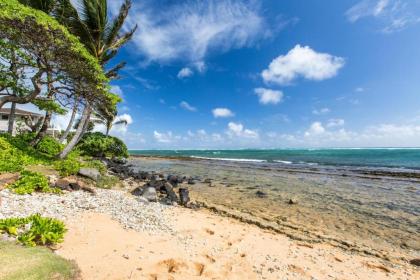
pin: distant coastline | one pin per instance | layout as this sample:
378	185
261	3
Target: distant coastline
394	158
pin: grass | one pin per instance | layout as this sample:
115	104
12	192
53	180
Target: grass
33	263
107	182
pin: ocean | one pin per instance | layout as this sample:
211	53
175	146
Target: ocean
401	158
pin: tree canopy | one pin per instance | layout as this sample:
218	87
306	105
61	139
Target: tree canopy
44	46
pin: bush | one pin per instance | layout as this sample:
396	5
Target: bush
97	164
107	182
34	230
16	153
97	144
11	158
69	166
49	146
30	182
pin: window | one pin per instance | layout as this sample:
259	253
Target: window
5	117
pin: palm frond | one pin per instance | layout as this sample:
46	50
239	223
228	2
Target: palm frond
114	28
113	72
123	39
124	122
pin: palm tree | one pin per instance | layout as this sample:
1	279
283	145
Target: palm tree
103	37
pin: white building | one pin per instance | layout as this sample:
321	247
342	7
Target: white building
20	116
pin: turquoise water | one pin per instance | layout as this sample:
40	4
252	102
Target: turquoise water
378	157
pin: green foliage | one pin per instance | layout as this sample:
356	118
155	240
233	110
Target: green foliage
67	167
12	14
97	164
49	146
16	153
97	144
30	182
107	182
34	230
13	159
49	105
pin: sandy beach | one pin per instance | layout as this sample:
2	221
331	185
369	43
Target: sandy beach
207	246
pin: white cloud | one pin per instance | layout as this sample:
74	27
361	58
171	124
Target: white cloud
316	128
269	96
148	84
359	89
335	122
393	15
200	66
238	130
222	113
366	8
188	30
185	105
302	62
163	137
61	121
316	135
185	73
321	111
122	127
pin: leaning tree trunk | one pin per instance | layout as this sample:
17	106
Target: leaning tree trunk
43	131
12	118
70	125
79	132
85	128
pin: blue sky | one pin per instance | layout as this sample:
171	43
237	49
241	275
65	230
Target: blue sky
271	74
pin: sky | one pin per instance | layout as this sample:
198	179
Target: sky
226	74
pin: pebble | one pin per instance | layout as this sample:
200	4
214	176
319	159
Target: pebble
127	210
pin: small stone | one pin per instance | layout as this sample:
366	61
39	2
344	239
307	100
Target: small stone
415	262
150	194
184	196
142	199
260	194
91	173
170	192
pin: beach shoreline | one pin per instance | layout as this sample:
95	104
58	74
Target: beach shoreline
166	242
273	204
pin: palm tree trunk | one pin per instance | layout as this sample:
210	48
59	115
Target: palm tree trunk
79	132
70	125
43	131
12	118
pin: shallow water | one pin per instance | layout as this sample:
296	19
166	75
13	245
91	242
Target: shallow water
380	214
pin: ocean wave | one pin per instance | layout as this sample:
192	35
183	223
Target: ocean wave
231	159
283	161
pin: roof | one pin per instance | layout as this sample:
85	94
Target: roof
19	112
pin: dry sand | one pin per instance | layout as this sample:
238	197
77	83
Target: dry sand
208	246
